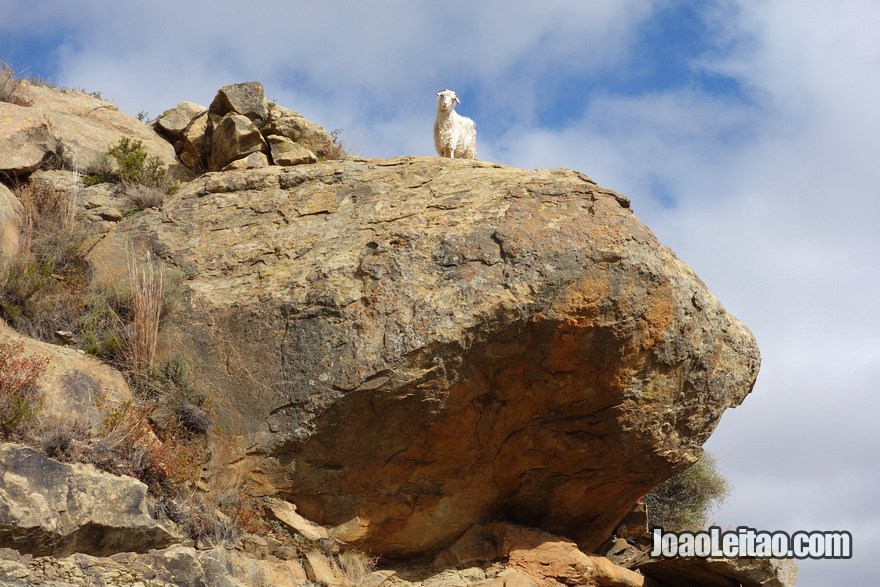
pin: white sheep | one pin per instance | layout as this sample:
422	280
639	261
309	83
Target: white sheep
455	136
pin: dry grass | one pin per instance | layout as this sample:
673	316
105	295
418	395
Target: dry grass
147	297
7	82
335	150
12	90
49	230
356	566
221	514
43	276
141	197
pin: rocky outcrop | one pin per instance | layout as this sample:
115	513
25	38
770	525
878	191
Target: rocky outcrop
70	129
87	126
241	130
412	345
174	121
286	152
52	508
26	141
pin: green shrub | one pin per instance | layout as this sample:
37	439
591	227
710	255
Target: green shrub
134	166
684	502
20	397
23	279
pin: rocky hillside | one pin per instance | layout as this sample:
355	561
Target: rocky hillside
415	371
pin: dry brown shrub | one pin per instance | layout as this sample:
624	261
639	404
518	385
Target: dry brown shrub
147	298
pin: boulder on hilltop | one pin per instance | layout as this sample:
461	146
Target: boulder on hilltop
470	370
413	345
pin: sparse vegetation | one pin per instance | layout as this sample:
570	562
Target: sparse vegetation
335	150
223	513
140	197
356	566
41	282
685	501
128	163
12	90
147	290
19	395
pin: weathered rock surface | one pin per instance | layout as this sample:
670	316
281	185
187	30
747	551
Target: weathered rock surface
174	121
52	508
252	161
247	99
234	137
73	385
26	141
86	126
286	152
723	572
539	557
297	128
196	144
177	566
10	218
418	344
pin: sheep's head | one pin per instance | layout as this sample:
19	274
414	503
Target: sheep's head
447	100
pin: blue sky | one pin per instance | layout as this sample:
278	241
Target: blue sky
745	133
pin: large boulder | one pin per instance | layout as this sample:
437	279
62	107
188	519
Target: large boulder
86	126
26	141
234	137
53	508
417	344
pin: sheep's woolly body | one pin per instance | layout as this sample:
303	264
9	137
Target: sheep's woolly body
455	136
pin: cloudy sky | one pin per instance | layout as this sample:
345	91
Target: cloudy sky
745	132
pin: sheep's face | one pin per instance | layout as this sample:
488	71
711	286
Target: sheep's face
447	100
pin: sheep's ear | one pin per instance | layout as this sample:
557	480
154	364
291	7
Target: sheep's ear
440	92
457	101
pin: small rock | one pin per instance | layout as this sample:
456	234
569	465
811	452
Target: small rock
286	152
285	512
252	161
175	121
